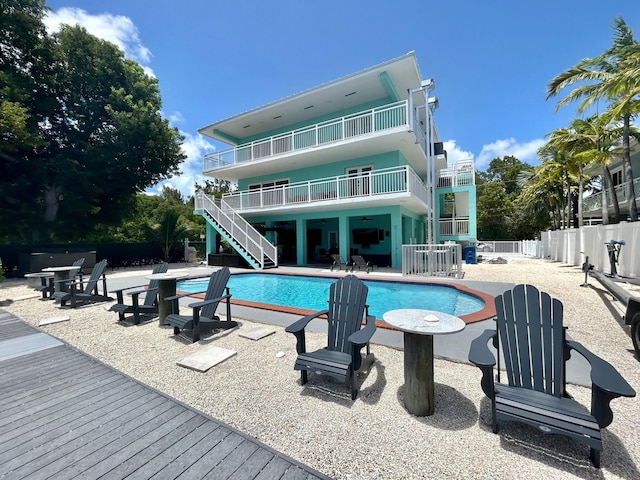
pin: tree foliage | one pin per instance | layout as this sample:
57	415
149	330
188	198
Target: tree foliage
495	212
86	133
613	76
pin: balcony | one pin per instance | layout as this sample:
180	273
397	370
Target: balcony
459	174
454	227
593	203
388	186
364	133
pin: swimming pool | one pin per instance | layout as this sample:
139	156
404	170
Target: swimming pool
311	293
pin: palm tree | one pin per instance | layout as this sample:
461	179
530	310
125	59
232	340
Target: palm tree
542	195
589	141
615	76
558	164
168	232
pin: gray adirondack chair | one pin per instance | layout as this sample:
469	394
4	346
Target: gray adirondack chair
342	357
150	304
532	338
85	291
47	284
204	311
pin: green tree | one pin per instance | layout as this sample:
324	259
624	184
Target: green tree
495	212
169	232
506	170
103	138
612	76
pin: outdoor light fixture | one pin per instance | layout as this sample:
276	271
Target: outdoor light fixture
429	84
433	101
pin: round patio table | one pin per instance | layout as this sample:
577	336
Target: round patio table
166	288
419	327
60	275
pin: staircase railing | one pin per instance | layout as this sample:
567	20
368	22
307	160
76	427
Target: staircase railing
256	245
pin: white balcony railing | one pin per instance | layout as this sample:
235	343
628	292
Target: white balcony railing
436	260
335	130
454	226
459	174
345	187
593	203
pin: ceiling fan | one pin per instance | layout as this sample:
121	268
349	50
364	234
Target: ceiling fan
366	219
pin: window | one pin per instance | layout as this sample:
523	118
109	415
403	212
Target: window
267	193
616	178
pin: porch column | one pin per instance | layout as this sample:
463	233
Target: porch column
343	237
301	242
396	241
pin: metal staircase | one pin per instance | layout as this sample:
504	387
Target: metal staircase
248	242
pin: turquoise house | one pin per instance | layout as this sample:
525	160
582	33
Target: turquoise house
353	166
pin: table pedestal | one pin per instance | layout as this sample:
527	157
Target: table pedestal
418	374
166	288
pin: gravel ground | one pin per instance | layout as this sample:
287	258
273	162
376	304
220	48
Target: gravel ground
373	437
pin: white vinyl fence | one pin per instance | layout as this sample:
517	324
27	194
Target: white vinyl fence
573	245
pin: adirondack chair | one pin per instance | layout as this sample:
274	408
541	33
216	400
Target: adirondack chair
341	358
47	279
204	312
85	291
338	262
359	262
150	304
532	339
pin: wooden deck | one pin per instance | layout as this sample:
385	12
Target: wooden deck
67	415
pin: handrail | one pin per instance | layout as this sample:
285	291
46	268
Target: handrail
334	130
436	260
342	187
238	228
594	202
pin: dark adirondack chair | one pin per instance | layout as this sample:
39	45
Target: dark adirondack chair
85	291
532	339
359	262
204	312
338	262
47	285
341	358
150	304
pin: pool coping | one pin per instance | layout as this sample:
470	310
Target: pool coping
486	313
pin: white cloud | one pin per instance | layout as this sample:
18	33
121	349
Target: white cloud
455	153
176	117
525	152
116	29
194	147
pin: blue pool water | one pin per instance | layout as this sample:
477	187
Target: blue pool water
312	293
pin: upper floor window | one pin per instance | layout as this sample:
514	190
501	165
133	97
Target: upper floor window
616	177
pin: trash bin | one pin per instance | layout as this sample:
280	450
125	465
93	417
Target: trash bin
469	255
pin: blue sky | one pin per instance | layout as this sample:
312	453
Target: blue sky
491	60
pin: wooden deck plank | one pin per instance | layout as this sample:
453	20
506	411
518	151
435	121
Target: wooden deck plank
152	468
56	459
129	458
253	465
37	391
68	415
56	397
61	430
196	454
274	469
72	411
207	463
120	440
19	346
